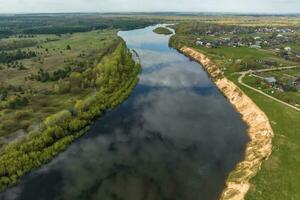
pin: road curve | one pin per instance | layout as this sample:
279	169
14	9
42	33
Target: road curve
243	74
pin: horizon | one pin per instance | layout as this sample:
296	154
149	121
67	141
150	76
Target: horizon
154	6
188	13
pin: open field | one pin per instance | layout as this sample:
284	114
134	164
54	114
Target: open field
86	50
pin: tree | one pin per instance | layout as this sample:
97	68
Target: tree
68	47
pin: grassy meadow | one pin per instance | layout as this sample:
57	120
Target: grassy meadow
86	47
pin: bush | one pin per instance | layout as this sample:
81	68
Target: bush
61	119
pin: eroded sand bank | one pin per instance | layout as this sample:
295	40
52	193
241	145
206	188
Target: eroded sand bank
259	130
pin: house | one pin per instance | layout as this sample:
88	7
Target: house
277	50
258	43
271	80
266	42
226	39
208	45
287	48
240	44
255	46
199	42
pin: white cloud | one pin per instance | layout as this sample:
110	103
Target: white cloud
270	6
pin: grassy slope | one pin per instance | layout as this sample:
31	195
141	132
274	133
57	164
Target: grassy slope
279	177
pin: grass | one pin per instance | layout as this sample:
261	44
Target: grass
279	177
283	76
92	44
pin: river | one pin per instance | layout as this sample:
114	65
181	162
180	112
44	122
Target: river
175	138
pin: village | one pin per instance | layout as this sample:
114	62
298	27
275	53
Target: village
282	81
277	40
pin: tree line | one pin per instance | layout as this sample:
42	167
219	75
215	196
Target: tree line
8	57
114	77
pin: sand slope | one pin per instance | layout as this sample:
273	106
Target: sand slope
259	130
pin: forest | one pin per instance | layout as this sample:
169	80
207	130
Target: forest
65	23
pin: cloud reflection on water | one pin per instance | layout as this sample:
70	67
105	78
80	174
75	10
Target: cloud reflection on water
167	141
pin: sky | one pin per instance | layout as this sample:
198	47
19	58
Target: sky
239	6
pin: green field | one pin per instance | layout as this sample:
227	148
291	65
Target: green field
86	50
279	177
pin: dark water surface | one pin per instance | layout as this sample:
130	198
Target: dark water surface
175	138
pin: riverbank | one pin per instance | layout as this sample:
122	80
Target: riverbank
259	129
114	78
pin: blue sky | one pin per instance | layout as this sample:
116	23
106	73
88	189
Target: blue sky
249	6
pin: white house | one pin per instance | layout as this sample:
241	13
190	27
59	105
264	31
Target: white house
288	49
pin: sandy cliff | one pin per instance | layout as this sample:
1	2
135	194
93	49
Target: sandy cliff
260	132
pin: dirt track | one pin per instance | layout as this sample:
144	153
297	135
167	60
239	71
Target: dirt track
259	130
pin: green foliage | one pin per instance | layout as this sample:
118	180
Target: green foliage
162	31
45	76
118	74
68	47
63	24
16	44
8	57
62	87
14	102
61	119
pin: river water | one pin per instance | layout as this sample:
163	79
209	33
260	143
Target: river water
175	138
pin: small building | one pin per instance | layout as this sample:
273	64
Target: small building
255	46
266	42
208	45
199	42
287	48
258	43
271	80
277	50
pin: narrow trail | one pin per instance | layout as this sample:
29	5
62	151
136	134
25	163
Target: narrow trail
243	74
